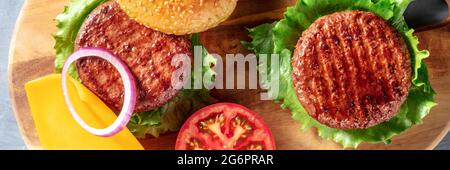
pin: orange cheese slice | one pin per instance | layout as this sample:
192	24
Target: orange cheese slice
56	128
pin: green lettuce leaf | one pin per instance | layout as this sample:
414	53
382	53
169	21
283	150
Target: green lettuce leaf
68	24
282	36
166	118
169	117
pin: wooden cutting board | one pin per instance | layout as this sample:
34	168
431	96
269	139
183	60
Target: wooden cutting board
32	55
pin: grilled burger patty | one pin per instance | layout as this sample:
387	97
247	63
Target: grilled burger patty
147	52
351	70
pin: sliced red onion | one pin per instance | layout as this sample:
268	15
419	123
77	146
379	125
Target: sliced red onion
129	88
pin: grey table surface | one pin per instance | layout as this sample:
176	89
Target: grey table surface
10	138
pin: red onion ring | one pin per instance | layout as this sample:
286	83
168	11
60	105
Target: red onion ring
129	88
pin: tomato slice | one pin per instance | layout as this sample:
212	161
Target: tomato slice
225	126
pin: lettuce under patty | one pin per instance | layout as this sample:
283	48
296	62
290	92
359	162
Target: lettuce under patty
167	118
281	37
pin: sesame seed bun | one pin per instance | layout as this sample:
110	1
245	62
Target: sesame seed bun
179	17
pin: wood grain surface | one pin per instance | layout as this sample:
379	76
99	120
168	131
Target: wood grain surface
32	55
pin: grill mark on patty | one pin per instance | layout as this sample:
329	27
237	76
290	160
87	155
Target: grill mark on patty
387	81
321	81
348	64
355	85
310	83
336	73
317	89
343	69
367	36
356	46
324	70
323	67
362	54
381	74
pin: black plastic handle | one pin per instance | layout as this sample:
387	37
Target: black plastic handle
427	14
